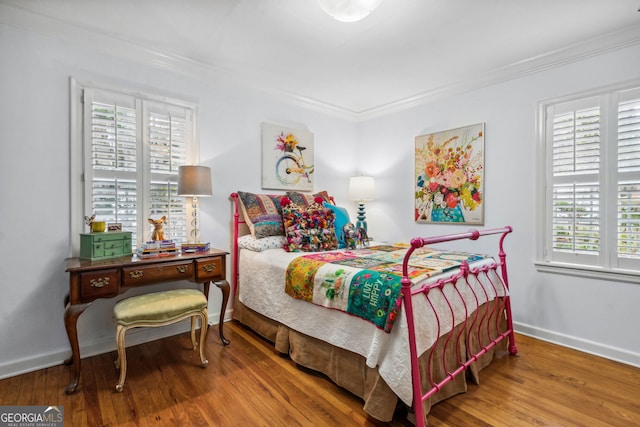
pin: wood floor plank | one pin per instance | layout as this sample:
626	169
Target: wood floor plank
249	383
56	382
160	392
10	389
103	371
38	389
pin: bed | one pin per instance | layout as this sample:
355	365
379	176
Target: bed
443	318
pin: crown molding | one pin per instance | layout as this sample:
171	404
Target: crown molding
21	18
616	40
27	20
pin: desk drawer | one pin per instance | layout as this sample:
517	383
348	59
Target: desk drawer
209	269
167	271
99	284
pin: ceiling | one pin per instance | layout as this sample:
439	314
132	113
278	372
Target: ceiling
405	51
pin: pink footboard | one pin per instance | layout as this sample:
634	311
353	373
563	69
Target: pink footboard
487	337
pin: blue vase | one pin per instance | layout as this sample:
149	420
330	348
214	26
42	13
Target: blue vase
447	214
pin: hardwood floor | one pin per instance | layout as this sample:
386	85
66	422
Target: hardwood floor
249	384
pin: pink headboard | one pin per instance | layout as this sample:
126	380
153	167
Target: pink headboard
239	226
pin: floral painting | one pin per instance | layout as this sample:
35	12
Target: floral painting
449	176
287	158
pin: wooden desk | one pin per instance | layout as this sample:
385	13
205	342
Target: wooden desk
91	280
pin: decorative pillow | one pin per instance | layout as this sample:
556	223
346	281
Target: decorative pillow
342	219
308	229
262	213
258	245
306	200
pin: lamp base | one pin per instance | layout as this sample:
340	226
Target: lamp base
195	226
362	217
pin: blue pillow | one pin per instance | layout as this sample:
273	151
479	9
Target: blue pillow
342	219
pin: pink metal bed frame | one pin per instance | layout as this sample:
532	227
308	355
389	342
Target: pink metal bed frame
461	277
407	294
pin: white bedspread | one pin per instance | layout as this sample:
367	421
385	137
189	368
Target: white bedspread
261	284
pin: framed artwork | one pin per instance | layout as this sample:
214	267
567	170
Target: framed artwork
449	176
287	158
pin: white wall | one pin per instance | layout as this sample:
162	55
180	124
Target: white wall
34	180
593	315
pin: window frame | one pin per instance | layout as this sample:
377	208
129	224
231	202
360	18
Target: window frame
80	198
607	264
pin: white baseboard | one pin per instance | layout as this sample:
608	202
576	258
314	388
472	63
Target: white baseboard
142	335
134	337
590	347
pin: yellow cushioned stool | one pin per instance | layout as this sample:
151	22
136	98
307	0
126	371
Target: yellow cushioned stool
159	309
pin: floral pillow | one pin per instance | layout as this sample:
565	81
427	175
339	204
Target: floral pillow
308	229
262	213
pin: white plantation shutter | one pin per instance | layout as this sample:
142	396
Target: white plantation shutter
576	142
575	171
169	129
116	200
166	202
576	219
593	182
113	134
133	147
168	136
628	200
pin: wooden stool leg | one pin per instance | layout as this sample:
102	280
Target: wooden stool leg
203	335
122	356
193	331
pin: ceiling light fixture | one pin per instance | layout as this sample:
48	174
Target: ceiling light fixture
349	10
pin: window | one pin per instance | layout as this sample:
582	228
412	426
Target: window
126	150
591	181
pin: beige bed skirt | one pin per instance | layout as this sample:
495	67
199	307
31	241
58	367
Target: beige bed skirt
349	370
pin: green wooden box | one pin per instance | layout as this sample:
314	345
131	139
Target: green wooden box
111	244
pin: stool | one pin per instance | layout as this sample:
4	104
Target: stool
159	309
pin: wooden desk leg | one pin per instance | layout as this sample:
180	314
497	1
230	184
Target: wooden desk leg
71	314
224	287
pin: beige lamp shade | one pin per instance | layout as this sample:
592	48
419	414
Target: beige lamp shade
362	188
194	181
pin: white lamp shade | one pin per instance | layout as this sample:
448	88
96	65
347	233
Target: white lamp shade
362	188
194	181
349	10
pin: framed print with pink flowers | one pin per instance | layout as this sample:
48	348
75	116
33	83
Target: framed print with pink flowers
449	176
287	158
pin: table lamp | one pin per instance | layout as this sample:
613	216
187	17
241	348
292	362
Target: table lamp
361	189
194	182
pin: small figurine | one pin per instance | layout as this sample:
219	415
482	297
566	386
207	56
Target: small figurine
349	235
89	220
158	224
354	237
362	238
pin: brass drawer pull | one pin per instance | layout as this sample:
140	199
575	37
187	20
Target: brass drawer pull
136	274
209	267
99	283
182	268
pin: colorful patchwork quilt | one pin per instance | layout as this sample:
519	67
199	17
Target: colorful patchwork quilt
366	282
